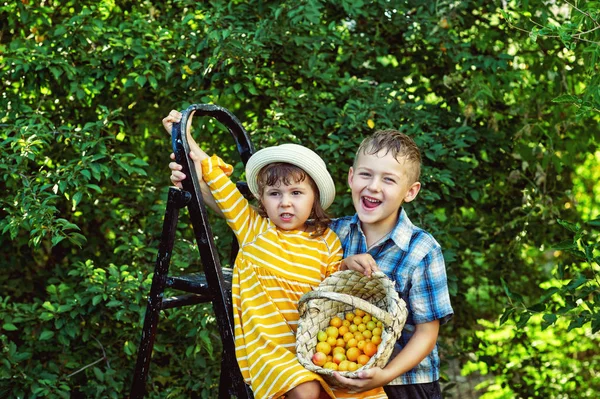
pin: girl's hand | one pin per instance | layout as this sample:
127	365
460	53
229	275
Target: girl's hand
363	263
173	117
177	176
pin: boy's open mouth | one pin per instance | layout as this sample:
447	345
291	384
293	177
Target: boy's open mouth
370	203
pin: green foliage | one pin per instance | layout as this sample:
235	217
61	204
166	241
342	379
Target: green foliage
575	292
576	27
505	112
535	362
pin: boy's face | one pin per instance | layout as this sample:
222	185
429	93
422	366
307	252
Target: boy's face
380	185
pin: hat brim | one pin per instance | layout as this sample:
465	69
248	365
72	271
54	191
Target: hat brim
299	156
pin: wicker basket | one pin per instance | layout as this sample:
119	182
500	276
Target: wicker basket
338	294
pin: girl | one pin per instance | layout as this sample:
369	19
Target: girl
286	249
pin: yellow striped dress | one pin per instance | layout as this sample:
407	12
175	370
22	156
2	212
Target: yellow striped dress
273	269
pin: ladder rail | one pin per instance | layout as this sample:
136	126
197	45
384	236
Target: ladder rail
198	215
176	199
217	288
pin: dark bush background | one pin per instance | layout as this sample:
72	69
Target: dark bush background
503	100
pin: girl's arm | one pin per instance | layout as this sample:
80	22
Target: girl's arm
242	218
336	252
197	155
177	177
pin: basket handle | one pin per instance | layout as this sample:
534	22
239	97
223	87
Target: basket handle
382	315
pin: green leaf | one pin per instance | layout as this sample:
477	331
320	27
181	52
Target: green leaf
566	98
549	319
77	238
57	72
60	30
523	319
576	282
577	323
565	245
45	335
537	308
64	308
113	303
506	315
77	197
568	225
595	222
98	373
9	327
94	187
96	300
129	348
48	306
141	80
533	34
56	239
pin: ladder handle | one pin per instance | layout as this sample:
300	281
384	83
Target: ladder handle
179	137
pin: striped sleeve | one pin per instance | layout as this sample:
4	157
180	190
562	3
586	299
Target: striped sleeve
335	252
240	216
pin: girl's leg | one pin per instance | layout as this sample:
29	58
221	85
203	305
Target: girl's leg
306	390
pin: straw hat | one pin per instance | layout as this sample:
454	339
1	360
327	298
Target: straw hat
296	155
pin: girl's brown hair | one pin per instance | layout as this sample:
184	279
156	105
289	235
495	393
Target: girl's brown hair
285	173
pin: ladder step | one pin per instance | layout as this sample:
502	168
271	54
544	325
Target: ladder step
196	283
183	300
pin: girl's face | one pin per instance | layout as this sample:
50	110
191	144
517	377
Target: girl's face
289	205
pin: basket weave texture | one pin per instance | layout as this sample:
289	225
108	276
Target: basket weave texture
338	294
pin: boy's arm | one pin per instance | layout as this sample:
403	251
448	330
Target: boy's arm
418	347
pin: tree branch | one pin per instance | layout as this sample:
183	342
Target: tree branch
85	367
95	362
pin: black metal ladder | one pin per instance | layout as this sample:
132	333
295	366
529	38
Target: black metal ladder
212	286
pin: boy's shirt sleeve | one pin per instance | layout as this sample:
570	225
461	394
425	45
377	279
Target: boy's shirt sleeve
240	216
429	296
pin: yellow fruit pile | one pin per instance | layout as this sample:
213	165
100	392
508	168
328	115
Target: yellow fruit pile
349	341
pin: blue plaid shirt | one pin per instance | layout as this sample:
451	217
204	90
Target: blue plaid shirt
413	259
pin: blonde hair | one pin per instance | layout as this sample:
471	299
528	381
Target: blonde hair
285	173
399	144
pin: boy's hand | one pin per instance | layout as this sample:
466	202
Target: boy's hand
370	379
363	263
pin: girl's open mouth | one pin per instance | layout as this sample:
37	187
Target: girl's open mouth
286	216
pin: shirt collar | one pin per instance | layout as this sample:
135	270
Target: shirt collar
403	231
400	234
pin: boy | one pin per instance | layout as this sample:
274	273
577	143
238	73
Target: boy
380	236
